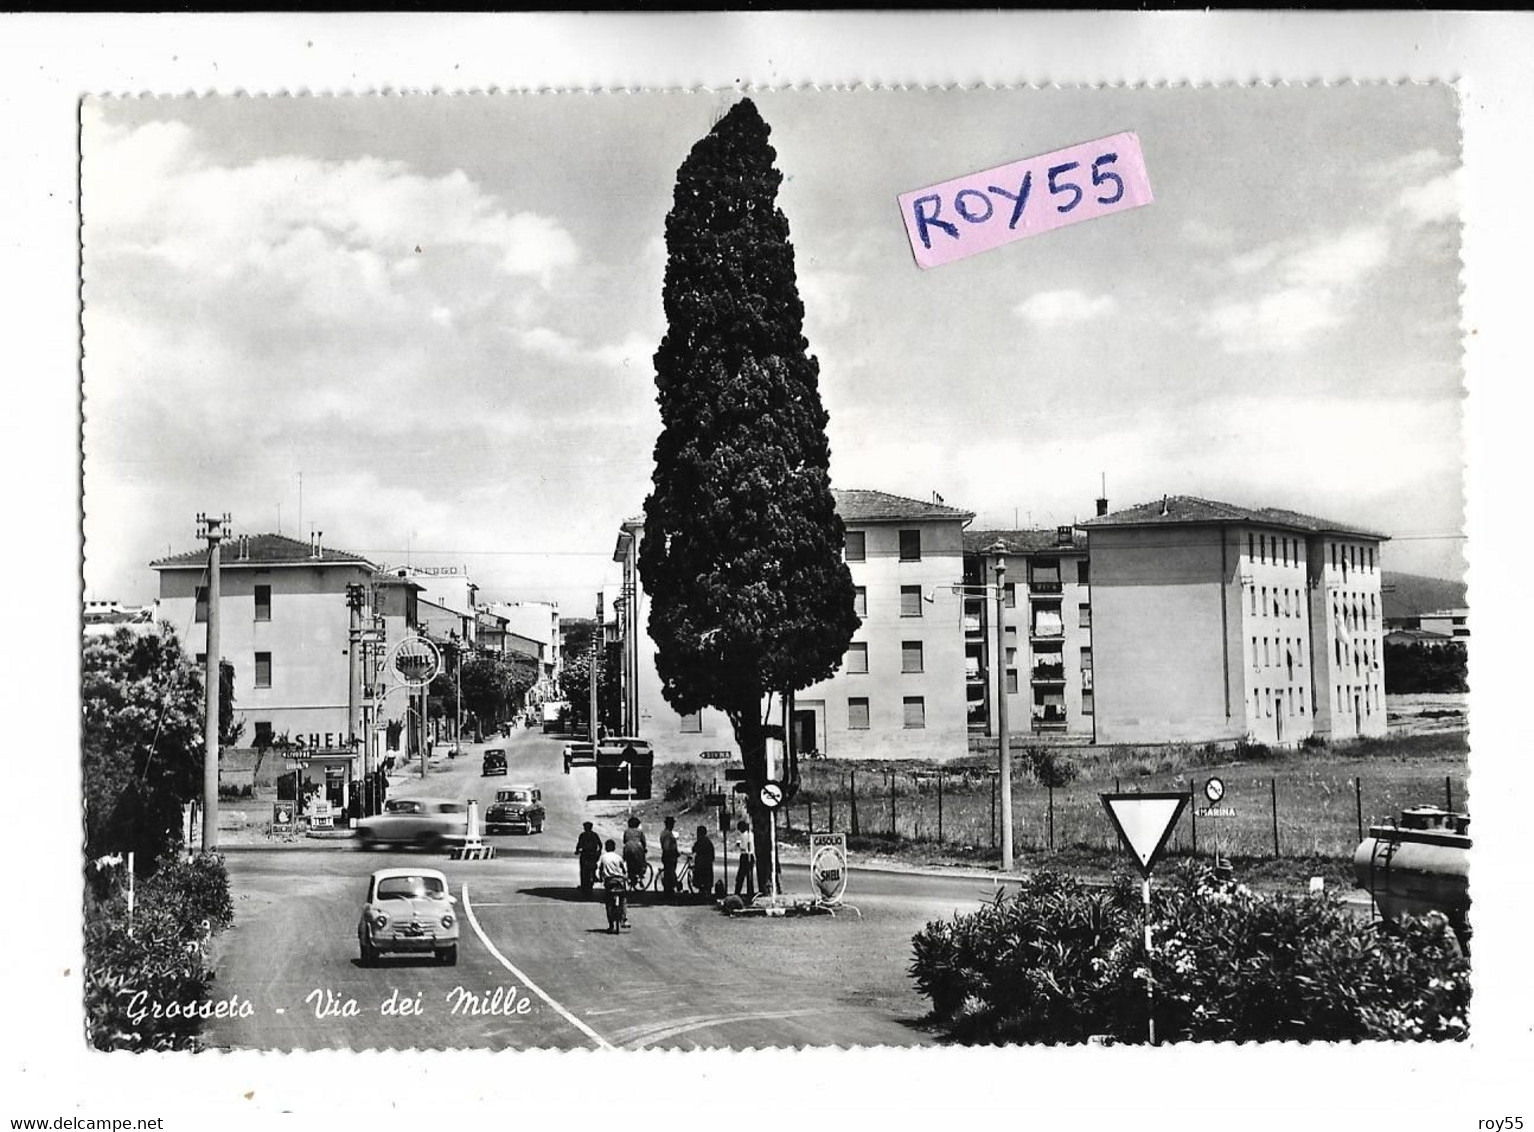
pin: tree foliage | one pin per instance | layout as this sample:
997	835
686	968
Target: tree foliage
742	546
1417	668
142	741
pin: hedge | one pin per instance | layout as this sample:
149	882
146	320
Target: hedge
1060	962
144	991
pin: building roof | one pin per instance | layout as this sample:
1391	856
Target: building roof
1025	542
1182	510
263	550
857	506
1416	636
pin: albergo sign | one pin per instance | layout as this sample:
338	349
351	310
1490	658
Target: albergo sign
416	661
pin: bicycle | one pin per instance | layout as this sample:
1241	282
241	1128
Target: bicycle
655	878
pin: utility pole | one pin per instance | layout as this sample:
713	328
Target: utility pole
213	529
354	599
1005	786
457	694
596	651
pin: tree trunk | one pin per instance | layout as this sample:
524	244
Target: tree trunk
750	736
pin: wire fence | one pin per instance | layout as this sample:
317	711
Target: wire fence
1298	813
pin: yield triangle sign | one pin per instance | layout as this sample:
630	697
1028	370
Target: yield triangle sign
1144	822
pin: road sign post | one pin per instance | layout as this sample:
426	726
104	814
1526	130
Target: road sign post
1144	823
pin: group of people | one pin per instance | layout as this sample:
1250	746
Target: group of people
603	862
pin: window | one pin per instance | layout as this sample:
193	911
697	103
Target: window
910	656
1371	560
202	660
910	601
1264	600
1267	659
1012	681
263	670
1255	662
1251	550
1085	612
692	723
264	736
857	657
263	603
1012	656
1009	595
860	600
910	546
1082	572
857	713
1088	703
1254	601
915	711
856	546
201	598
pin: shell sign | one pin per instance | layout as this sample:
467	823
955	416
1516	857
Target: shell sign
416	661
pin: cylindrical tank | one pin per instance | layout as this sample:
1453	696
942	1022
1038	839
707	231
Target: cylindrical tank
1419	866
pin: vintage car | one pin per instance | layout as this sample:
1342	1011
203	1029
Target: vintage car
494	762
624	763
408	910
516	808
431	823
579	754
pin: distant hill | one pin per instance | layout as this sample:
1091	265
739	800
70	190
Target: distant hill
1413	594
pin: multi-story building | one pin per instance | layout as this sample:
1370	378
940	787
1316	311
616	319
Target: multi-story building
284	625
536	621
1046	636
1212	621
899	692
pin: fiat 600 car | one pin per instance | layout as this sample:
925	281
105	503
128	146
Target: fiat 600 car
516	808
431	823
411	911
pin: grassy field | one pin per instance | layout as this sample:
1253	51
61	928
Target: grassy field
1323	794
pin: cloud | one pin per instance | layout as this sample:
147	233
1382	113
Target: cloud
1056	308
827	295
1433	202
1309	288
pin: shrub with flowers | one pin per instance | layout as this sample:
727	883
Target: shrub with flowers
1059	962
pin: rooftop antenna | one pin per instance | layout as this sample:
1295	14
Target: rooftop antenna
300	501
279	518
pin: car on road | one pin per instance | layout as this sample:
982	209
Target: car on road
579	754
516	808
494	762
430	823
410	911
624	763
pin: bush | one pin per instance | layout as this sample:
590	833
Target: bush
1049	767
163	963
681	784
1058	962
1250	750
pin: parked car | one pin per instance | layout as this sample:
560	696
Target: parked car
411	911
624	763
579	754
494	762
516	809
431	823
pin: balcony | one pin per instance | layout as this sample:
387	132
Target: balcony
1049	673
1045	588
1052	630
971	623
1049	719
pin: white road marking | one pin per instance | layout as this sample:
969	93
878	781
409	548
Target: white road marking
468	909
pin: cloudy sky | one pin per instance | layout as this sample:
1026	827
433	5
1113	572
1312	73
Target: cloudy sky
432	317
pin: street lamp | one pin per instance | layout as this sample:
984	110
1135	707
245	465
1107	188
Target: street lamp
999	549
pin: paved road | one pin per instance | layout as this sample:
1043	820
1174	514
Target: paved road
684	977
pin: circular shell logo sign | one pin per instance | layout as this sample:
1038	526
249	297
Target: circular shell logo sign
416	661
828	865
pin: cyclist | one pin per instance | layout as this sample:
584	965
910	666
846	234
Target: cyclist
635	848
588	847
669	853
613	874
703	863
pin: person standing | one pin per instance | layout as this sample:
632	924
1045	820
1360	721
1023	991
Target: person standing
745	847
588	847
612	872
635	849
703	862
669	854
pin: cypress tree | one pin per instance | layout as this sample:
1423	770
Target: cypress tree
742	546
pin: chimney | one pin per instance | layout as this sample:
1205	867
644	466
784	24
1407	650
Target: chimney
1063	536
1164	509
1102	498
